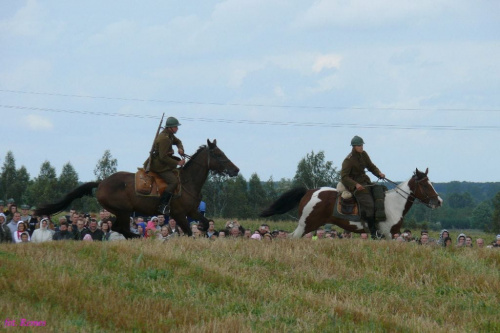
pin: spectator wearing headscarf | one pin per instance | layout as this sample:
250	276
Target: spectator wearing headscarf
461	240
16	235
42	234
442	235
141	229
151	230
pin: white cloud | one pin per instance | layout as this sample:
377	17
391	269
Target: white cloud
328	61
36	122
325	84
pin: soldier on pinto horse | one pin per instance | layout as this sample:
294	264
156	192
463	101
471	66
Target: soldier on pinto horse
164	163
354	178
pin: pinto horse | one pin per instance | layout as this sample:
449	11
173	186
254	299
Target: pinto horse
117	192
316	206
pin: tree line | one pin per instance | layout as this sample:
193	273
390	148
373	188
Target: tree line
244	199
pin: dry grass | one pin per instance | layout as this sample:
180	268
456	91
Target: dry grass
188	285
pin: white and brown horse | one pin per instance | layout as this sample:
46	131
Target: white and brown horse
316	206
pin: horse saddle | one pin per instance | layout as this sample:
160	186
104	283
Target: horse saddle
346	207
151	184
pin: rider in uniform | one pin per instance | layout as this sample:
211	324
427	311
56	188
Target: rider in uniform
354	178
164	163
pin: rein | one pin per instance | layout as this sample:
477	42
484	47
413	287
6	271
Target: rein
411	195
189	157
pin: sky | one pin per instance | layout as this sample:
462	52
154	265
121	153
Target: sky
272	81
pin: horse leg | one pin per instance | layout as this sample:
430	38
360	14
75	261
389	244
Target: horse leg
122	225
183	223
203	220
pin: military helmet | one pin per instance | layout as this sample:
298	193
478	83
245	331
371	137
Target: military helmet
172	122
357	141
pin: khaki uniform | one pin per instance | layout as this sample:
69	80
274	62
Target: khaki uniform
353	172
163	161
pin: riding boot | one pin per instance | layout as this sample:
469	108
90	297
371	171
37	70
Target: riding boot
372	227
164	207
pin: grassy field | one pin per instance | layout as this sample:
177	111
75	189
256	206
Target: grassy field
197	285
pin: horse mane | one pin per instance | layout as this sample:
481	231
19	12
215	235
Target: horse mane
193	157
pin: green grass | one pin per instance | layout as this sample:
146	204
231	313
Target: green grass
188	285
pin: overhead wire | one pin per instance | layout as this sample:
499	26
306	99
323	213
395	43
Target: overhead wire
247	104
262	122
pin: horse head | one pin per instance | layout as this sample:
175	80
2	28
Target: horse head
423	190
218	161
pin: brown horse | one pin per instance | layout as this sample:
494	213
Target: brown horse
117	192
316	206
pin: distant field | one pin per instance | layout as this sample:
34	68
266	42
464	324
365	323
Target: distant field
197	285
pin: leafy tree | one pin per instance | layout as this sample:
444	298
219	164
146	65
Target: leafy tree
21	185
68	179
284	185
237	202
44	187
215	195
482	217
495	223
271	192
313	171
106	166
460	200
256	196
8	178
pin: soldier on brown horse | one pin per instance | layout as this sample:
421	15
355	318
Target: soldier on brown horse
118	195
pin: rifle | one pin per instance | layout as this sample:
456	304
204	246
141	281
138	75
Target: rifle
153	146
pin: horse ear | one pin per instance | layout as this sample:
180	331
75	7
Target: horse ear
211	145
426	171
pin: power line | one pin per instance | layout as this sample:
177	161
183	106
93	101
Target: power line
265	122
248	105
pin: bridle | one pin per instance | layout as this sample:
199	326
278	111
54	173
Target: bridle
411	196
210	153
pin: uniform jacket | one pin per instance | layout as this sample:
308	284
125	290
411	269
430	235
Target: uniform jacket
162	152
353	170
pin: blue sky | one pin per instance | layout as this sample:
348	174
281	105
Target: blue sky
270	80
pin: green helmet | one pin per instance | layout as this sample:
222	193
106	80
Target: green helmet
172	122
357	141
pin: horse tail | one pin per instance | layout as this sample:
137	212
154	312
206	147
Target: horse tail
287	201
56	207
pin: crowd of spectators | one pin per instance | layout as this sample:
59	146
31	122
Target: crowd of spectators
19	227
